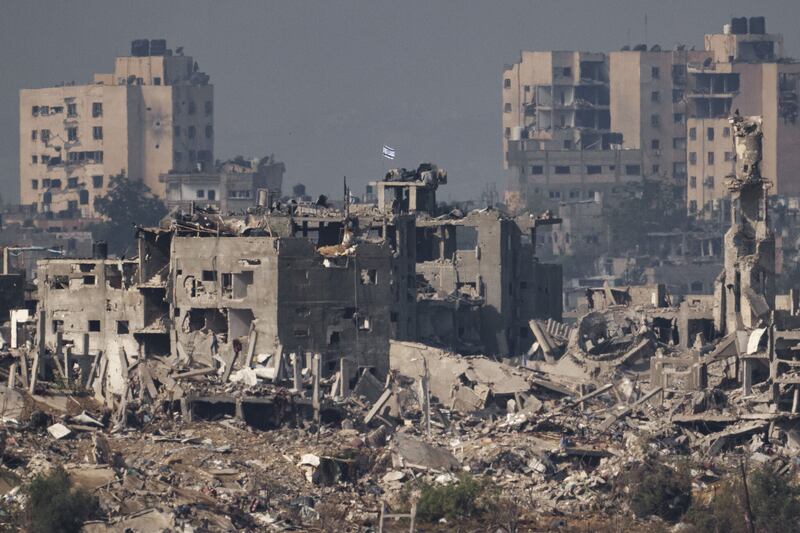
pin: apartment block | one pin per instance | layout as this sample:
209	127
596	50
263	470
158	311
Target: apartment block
648	108
152	115
558	140
578	123
747	72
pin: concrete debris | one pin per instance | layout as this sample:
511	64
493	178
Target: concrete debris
12	403
413	453
101	451
146	520
462	384
243	375
59	431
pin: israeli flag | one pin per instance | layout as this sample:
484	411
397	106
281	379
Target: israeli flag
388	152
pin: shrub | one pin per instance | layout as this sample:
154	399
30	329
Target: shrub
54	506
455	501
656	489
724	513
774	502
505	512
333	516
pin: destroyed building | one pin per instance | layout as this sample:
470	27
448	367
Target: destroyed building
300	279
746	287
321	351
489	258
205	295
477	278
410	191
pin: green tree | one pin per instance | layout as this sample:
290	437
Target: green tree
774	502
657	489
55	506
454	502
128	203
646	206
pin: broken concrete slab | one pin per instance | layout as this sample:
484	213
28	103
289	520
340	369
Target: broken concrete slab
369	387
146	520
90	477
324	470
59	431
378	406
715	442
415	453
246	376
449	374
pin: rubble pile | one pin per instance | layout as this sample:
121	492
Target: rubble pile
197	423
563	441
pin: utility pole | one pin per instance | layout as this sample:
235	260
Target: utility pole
751	527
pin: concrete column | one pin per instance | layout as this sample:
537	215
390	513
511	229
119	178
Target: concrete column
278	365
186	409
23	370
297	379
67	364
345	373
747	377
12	375
316	370
59	344
14	329
39	366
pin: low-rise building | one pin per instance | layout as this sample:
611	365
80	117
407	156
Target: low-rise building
232	188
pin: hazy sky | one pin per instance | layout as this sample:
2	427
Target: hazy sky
324	84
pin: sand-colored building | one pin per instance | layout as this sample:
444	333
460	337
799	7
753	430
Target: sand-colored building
578	123
558	141
746	72
153	115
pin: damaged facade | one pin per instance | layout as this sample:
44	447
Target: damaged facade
232	188
580	123
152	115
344	355
220	292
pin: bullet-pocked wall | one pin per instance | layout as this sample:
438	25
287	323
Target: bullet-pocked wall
293	297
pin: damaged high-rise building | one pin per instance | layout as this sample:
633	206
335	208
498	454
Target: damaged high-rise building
153	115
579	124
